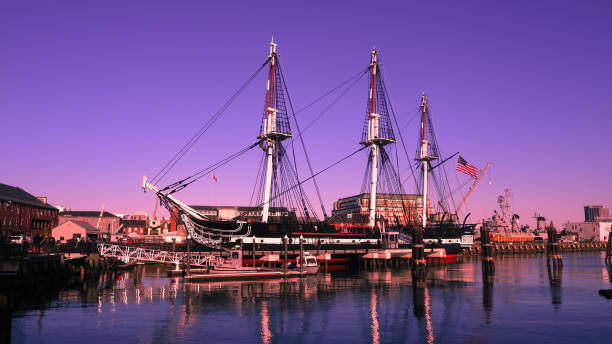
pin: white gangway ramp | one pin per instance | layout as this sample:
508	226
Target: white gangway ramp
129	253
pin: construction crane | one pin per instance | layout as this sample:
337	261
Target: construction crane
155	209
473	187
154	225
100	219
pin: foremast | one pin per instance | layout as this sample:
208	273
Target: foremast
270	133
424	156
374	139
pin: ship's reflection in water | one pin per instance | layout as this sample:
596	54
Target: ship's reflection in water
454	305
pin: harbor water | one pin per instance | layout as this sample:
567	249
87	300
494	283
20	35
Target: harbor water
524	303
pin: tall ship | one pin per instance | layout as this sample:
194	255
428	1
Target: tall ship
281	207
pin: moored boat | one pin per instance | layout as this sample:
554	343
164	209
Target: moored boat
307	264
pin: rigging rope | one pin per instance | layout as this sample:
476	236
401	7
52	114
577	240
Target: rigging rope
401	136
158	177
181	184
303	146
311	177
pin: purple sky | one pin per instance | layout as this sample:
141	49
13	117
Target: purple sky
94	95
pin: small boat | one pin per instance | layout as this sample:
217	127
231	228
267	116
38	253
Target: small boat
311	264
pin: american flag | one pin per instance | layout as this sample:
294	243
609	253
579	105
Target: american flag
465	167
214	178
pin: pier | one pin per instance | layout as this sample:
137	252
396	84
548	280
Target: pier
536	247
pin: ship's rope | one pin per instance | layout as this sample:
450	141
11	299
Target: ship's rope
157	178
399	132
280	194
183	183
297	126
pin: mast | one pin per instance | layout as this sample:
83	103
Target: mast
270	132
269	126
372	134
376	135
424	157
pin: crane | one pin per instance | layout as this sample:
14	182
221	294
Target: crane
100	219
155	209
482	173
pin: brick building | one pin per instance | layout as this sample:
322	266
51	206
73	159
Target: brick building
134	226
23	212
109	223
391	207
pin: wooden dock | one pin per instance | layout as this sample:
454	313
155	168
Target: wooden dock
526	248
242	275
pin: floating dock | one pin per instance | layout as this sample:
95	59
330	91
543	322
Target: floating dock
241	275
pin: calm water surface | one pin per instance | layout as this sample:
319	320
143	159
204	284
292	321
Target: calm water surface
362	307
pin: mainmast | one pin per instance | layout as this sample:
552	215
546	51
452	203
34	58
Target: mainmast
424	157
374	139
270	132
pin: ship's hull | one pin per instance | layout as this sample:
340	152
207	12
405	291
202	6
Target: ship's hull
320	235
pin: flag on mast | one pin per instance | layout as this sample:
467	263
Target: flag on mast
214	178
465	167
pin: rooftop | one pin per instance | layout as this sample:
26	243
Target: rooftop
86	213
15	194
88	228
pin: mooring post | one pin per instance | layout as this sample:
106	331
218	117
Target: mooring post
241	251
609	248
253	251
286	258
418	258
188	265
301	253
554	250
488	265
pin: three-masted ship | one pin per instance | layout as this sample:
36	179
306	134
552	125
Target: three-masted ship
281	189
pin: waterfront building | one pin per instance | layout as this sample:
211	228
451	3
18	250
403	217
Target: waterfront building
109	223
405	208
596	231
596	226
139	216
77	230
20	211
594	213
134	226
348	221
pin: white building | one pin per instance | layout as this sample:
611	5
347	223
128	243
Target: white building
597	231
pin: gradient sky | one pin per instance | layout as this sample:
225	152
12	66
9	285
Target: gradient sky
96	94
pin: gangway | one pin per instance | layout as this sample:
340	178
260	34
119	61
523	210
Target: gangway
128	253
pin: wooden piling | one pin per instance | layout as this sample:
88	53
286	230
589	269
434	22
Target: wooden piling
554	250
301	253
188	265
609	249
253	252
488	265
286	257
418	270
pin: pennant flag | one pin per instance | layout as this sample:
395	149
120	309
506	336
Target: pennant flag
465	167
214	178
